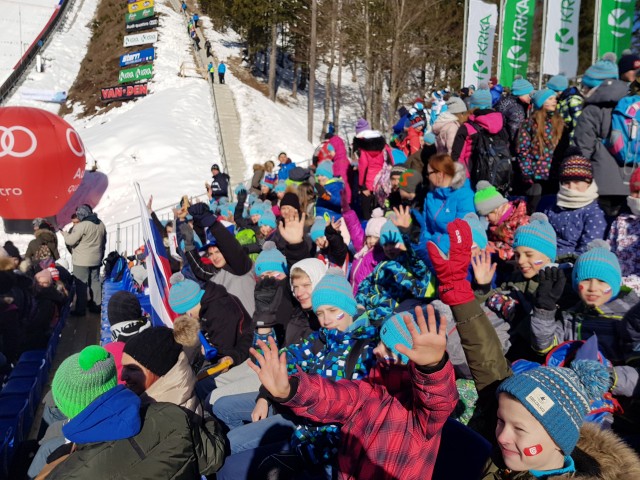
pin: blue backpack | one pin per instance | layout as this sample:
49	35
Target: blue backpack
624	141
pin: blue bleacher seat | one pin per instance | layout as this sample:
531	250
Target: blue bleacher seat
33	356
8	443
15	414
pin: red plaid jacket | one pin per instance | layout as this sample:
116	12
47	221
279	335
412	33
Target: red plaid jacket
383	436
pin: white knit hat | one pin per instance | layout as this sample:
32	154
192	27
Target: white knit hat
314	268
374	225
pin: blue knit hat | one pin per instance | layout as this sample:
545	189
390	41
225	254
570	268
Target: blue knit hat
184	293
257	208
601	70
389	233
394	331
539	235
559	397
334	290
598	262
478	232
481	98
270	260
317	229
268	218
558	83
521	86
281	186
325	168
542	96
264	183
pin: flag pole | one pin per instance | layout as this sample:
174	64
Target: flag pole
464	45
596	31
500	39
542	42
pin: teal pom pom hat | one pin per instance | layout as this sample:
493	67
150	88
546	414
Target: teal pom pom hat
184	293
83	377
317	229
270	260
520	86
598	262
559	397
538	235
334	290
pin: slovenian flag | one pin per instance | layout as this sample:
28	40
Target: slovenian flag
158	268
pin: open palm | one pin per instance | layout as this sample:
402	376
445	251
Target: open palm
430	343
272	369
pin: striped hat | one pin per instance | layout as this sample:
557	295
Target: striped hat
598	262
184	294
538	235
576	168
559	397
334	290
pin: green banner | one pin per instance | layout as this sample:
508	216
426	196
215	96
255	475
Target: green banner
517	30
139	15
616	26
134	74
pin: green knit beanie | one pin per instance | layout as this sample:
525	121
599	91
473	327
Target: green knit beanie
82	378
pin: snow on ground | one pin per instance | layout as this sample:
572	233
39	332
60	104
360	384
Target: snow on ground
167	141
20	23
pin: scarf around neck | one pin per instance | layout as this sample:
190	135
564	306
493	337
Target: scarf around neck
573	199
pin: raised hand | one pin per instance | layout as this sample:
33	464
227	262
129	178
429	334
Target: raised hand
451	270
272	369
428	344
150	204
483	269
550	287
402	218
292	229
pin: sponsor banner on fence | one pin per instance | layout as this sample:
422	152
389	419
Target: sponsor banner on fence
146	55
123	92
143	24
616	26
517	30
139	15
143	72
141	5
140	39
560	54
43	95
481	30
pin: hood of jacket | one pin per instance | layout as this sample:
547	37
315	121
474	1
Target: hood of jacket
46	236
491	121
607	93
114	415
93	218
375	144
458	181
258	167
444	119
177	387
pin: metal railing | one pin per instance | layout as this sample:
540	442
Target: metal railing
36	47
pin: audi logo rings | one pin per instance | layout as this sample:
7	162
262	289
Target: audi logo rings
8	141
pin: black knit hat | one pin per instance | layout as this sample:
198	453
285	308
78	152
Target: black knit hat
12	250
154	349
123	306
290	199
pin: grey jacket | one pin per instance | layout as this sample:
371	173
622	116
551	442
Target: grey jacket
594	126
87	240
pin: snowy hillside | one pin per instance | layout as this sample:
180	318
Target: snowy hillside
166	141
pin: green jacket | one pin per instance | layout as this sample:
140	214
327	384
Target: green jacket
169	446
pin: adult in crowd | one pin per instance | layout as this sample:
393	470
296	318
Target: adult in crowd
87	241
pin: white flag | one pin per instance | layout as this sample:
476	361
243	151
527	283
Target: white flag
482	19
561	39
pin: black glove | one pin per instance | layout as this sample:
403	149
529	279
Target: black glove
187	234
550	287
268	296
202	214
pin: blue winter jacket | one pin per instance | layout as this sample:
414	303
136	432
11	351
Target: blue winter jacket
332	206
575	228
444	205
222	68
114	415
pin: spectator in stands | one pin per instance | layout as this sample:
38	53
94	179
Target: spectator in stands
87	240
109	433
45	245
628	65
13	253
328	189
285	165
515	108
219	187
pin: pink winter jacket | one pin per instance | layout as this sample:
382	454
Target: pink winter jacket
365	261
464	141
341	163
372	147
445	130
